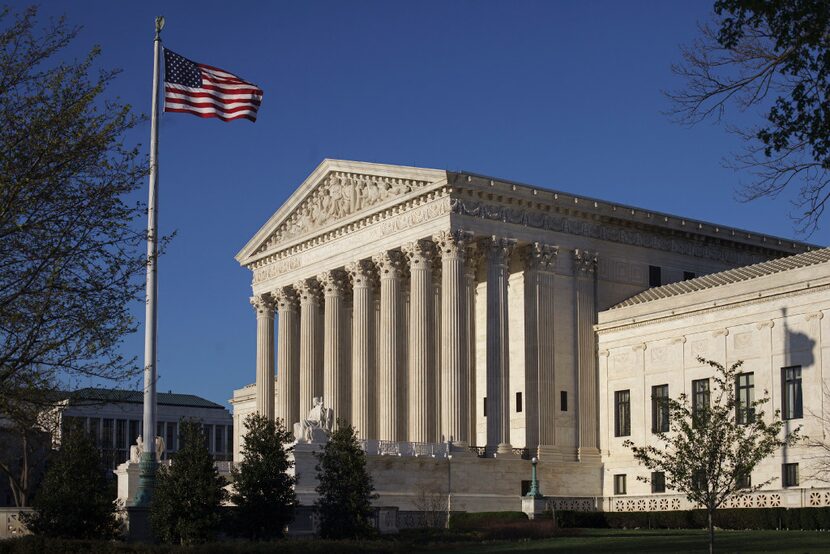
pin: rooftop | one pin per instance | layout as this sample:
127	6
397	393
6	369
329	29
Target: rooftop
92	394
728	277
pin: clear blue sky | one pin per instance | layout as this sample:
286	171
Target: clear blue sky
555	94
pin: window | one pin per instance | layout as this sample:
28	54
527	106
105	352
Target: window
219	441
94	429
699	481
744	481
689	275
135	430
170	439
745	396
622	413
655	276
791	383
563	400
208	431
660	409
230	438
619	484
658	481
518	402
159	430
790	475
700	397
484	407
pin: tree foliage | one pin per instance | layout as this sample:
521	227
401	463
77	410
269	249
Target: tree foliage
770	58
710	449
263	489
188	493
345	487
71	256
75	499
25	441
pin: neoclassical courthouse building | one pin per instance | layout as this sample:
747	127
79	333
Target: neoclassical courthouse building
464	323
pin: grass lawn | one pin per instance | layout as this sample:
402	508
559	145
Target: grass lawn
640	541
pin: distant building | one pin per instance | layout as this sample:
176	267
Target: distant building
114	419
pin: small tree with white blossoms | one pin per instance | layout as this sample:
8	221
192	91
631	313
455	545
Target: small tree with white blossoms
710	450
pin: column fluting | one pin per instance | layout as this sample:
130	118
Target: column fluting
498	354
288	357
585	266
421	381
336	384
455	425
364	386
311	359
264	306
471	264
391	379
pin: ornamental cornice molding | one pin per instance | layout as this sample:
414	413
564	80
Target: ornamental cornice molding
608	328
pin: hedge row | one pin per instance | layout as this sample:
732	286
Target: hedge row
476	521
808	519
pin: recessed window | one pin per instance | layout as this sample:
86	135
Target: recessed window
655	276
484	407
688	275
744	481
619	484
660	409
745	396
700	398
792	401
658	481
518	402
622	413
563	400
790	475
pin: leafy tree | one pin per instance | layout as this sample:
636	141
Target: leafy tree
771	58
71	248
264	491
25	443
188	493
711	450
345	489
74	500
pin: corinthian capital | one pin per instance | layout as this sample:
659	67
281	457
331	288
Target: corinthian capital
452	244
390	264
499	249
541	256
333	282
419	253
361	273
585	262
308	290
263	304
286	299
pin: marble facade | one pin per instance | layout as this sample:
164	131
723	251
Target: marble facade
443	308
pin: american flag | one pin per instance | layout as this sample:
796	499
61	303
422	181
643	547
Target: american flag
207	91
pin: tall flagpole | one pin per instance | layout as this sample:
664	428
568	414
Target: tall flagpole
148	464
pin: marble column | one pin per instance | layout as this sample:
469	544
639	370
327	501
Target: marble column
311	331
390	376
585	287
435	354
498	341
421	369
264	306
364	389
336	382
455	424
288	354
471	263
540	389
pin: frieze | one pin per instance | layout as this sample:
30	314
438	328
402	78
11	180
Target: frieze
550	222
277	268
339	196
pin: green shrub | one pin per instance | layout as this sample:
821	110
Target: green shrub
477	521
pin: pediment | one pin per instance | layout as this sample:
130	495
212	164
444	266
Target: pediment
336	193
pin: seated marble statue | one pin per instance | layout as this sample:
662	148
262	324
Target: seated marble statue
317	425
137	450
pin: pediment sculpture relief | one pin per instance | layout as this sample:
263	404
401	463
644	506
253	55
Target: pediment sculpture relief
337	197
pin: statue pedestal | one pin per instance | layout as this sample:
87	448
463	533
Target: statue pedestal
534	506
127	477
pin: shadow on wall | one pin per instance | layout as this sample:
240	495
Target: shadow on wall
798	351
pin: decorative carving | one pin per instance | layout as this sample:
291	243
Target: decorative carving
286	299
765	324
419	253
743	340
277	268
361	272
333	282
338	196
541	256
603	231
499	249
585	262
814	315
308	290
452	244
389	263
263	304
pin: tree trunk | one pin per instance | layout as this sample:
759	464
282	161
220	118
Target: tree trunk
711	533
